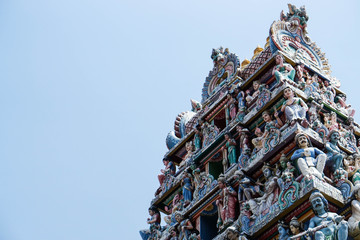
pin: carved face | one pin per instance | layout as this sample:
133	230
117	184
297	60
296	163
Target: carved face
267	172
279	59
303	141
166	162
226	136
294	230
221	185
151	212
266	117
317	204
335	137
288	92
256	85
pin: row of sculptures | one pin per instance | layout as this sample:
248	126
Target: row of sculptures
244	202
256	199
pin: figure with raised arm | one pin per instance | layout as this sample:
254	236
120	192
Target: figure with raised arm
295	108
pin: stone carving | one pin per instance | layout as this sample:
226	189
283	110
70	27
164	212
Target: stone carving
166	177
230	149
187	188
334	155
154	221
209	133
271	136
283	231
289	190
354	220
185	227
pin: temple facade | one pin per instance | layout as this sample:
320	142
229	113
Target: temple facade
270	152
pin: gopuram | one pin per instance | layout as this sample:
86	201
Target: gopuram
271	152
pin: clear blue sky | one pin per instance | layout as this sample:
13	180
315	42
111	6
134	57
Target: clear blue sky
89	90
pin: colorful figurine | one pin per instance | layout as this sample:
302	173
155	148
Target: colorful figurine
282	70
230	147
310	160
271	136
197	138
185	227
226	204
354	220
187	190
326	225
250	97
154	221
283	231
334	155
295	108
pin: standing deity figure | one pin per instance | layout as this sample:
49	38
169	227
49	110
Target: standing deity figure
326	225
244	139
231	110
185	227
154	221
295	108
187	189
271	136
197	138
241	105
230	146
354	220
282	70
301	74
310	160
334	155
226	204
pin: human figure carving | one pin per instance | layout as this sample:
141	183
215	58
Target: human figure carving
282	70
295	108
310	160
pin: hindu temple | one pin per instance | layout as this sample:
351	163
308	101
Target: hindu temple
271	151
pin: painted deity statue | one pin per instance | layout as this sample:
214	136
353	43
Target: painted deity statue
297	232
197	138
301	74
328	92
185	227
188	157
247	189
295	108
312	87
271	136
154	221
167	173
230	145
282	70
226	204
340	100
245	145
241	105
310	160
187	188
271	192
256	91
354	220
283	231
334	155
231	110
332	226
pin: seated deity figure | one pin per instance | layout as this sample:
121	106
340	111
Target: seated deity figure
255	93
295	108
354	220
226	204
334	155
310	160
247	189
326	225
169	170
282	70
271	136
